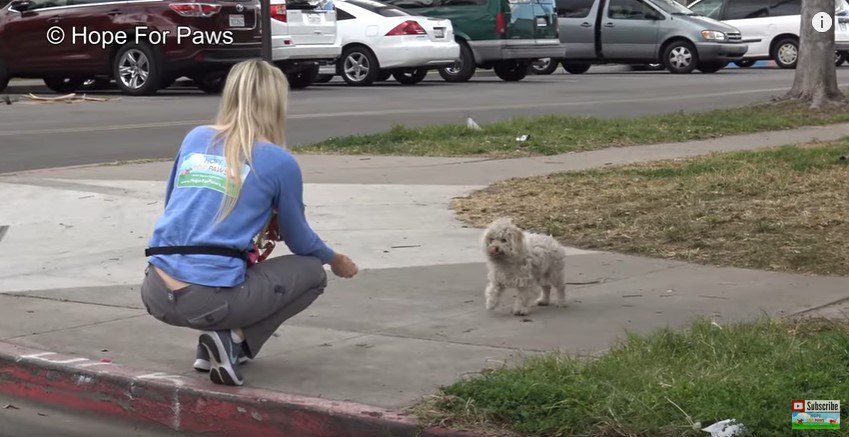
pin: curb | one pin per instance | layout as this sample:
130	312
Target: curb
41	171
190	405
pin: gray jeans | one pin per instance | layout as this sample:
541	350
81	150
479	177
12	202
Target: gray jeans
274	291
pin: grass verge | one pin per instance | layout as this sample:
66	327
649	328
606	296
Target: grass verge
667	383
780	209
551	135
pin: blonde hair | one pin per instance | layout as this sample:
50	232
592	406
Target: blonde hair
253	108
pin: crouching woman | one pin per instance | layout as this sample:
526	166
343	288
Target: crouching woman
226	181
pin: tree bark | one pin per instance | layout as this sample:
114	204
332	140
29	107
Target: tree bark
815	81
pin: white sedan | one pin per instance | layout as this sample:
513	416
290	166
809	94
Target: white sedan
379	40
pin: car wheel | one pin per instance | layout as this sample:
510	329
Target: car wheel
358	66
785	53
323	78
384	75
136	70
511	71
463	69
839	58
544	66
574	68
745	63
63	85
679	57
711	67
302	78
211	83
410	76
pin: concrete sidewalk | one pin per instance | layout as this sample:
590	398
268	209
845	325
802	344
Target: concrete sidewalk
412	321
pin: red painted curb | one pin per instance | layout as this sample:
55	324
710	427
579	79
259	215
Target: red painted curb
186	404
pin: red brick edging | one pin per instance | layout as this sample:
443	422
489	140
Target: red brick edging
191	405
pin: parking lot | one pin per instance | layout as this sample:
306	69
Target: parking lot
39	135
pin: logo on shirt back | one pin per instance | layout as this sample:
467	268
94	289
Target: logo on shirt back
208	171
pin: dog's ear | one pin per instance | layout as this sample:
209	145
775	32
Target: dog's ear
518	237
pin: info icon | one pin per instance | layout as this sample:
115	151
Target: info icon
798	407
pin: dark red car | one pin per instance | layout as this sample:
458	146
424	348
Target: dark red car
144	45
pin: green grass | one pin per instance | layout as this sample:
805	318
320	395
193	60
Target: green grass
559	134
661	384
781	209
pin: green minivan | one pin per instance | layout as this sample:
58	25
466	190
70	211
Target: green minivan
504	35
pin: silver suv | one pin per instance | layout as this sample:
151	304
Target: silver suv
303	37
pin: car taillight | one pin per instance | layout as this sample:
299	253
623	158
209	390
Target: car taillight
407	28
195	9
278	12
500	24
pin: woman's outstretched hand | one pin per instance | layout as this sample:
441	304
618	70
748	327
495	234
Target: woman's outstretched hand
343	267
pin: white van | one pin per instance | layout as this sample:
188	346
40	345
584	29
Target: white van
303	37
771	27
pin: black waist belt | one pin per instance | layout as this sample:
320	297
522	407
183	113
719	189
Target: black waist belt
197	250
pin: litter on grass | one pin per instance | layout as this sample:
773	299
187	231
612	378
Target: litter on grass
725	428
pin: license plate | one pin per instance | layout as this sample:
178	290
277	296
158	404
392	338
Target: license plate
542	22
237	21
439	32
313	19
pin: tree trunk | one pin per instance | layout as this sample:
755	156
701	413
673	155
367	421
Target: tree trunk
815	81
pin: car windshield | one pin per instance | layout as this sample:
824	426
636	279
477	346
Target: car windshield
672	7
379	8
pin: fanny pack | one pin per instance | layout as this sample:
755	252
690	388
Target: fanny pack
263	244
199	250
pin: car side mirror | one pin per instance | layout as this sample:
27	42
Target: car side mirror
20	5
653	16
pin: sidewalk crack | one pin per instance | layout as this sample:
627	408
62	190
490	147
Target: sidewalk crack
68	328
19	294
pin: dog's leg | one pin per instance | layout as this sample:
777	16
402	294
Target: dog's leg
523	299
493	295
561	295
545	296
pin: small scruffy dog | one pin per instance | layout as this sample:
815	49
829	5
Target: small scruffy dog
524	261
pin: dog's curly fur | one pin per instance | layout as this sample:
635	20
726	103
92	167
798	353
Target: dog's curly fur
531	263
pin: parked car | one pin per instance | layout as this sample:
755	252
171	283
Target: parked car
644	32
771	27
139	68
381	40
504	35
304	36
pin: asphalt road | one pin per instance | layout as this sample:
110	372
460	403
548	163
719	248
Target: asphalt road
26	419
49	135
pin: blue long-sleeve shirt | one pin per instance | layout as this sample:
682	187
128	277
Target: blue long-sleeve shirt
193	198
